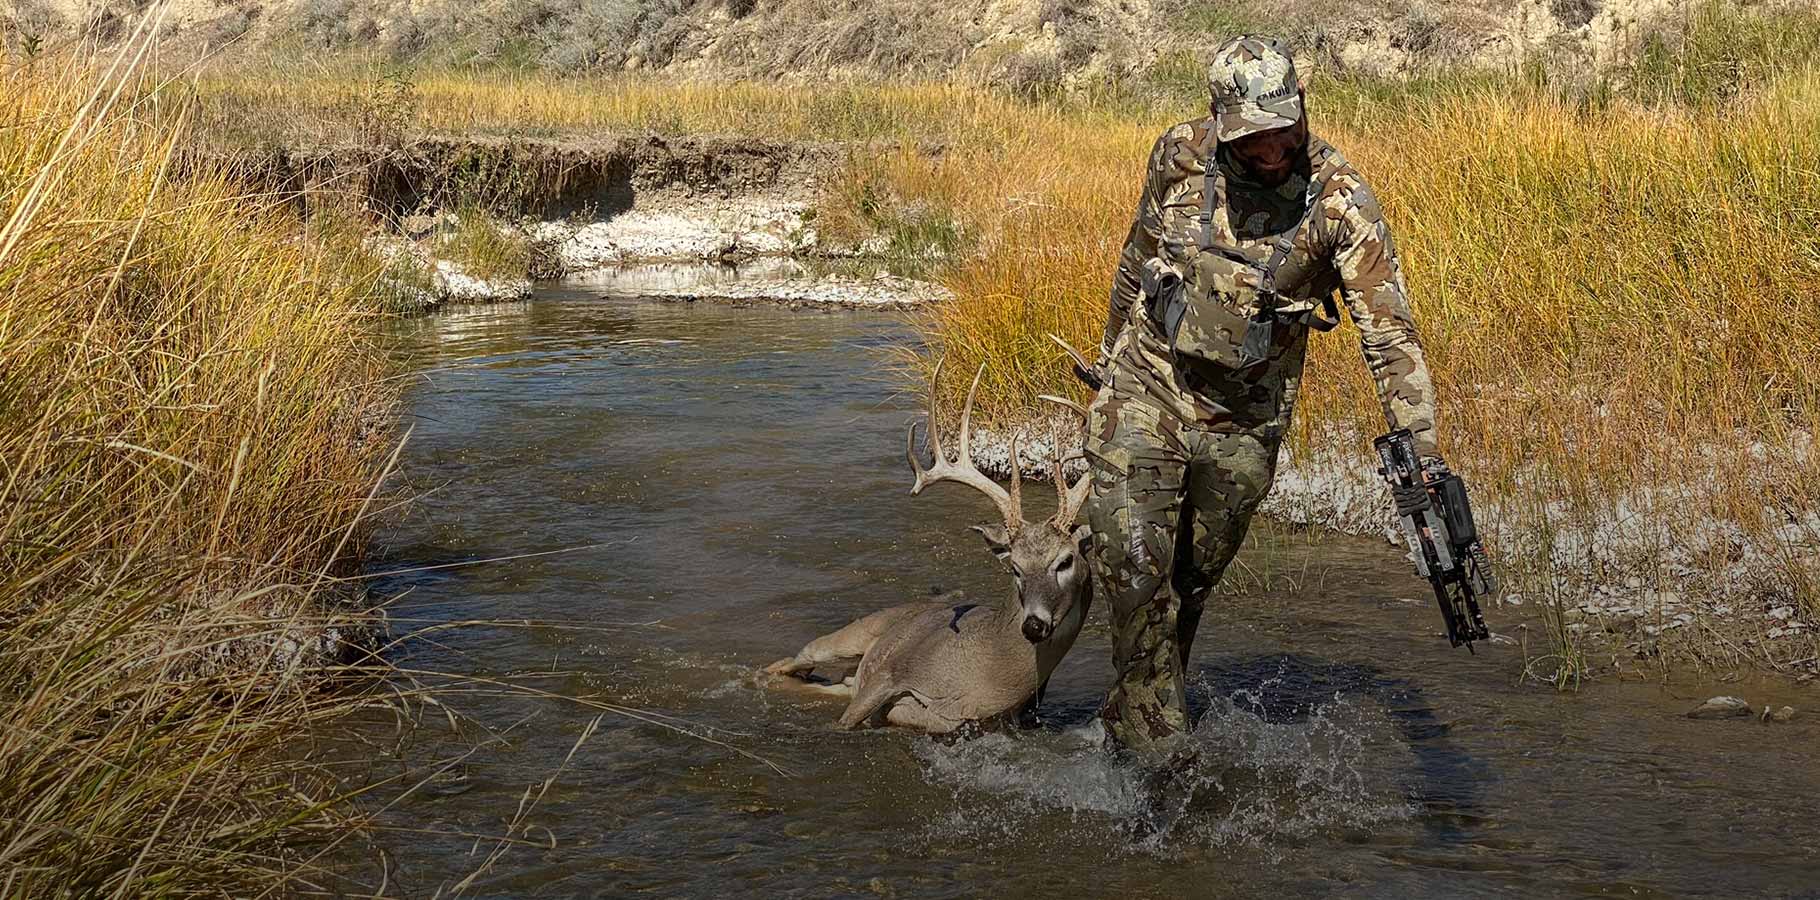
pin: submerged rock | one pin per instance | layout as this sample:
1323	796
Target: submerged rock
1721	708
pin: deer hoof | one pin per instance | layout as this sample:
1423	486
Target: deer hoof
787	666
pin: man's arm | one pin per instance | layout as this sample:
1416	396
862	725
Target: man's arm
1141	243
1378	300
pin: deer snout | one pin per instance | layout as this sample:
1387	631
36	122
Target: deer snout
1037	629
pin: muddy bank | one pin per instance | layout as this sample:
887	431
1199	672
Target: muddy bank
543	179
769	281
603	211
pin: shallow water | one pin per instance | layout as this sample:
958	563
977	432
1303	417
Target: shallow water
737	479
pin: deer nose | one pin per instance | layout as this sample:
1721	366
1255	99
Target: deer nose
1036	630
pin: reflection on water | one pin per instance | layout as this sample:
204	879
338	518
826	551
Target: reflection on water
736	478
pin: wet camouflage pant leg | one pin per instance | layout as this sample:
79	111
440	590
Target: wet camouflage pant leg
1228	476
1139	470
1169	503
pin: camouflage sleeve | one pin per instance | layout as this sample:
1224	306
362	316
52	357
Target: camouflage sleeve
1371	283
1140	244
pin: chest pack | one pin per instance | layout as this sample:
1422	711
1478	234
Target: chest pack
1228	311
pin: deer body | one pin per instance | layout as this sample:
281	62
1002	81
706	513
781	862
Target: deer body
935	665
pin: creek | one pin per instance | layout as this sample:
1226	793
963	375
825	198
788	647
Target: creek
736	477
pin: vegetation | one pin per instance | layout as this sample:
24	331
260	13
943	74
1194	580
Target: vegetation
485	247
1614	279
1615	286
194	418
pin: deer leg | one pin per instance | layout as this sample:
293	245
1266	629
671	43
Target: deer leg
843	647
913	710
841	688
826	650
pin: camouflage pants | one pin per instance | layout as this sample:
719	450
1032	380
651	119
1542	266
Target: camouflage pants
1169	506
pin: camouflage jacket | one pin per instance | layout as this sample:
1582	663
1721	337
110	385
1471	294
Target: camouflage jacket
1345	248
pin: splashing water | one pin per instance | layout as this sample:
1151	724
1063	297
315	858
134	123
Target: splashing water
1259	780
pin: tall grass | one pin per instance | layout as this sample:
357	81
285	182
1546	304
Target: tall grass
193	416
1618	304
1614	282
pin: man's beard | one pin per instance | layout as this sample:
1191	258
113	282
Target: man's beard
1254	178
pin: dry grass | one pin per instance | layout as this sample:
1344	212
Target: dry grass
344	103
1617	303
193	416
1615	289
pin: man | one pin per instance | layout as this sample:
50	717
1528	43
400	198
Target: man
1247	228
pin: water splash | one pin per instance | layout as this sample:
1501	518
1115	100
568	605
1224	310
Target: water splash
1261	781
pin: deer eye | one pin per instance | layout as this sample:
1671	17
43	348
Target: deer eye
1064	564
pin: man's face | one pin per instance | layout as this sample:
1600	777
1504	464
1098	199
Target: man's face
1271	156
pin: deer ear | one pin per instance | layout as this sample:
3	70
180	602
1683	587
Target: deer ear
997	538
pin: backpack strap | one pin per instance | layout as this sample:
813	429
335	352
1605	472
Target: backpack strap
1285	242
1214	185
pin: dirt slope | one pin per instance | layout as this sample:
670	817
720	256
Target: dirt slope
1017	42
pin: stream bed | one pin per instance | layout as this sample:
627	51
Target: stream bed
736	482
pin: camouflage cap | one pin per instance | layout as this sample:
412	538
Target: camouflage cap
1254	87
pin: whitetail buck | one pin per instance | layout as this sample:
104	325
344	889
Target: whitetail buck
936	664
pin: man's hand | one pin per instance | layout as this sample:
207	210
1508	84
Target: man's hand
1413	498
1094	375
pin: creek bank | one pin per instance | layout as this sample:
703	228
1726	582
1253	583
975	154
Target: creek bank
769	281
1642	574
601	211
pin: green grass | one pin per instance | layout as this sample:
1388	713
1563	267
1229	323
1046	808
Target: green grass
484	246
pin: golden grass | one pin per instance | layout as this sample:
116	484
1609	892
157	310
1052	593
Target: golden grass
1617	298
1618	305
193	415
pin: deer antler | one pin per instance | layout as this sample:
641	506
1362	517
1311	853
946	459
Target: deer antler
1068	498
962	470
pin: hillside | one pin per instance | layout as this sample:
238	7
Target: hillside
1029	44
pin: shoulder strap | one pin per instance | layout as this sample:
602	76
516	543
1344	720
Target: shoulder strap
1213	185
1285	242
1210	178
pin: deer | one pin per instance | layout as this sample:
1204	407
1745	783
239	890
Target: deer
936	665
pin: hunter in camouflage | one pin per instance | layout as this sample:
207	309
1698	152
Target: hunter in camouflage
1182	441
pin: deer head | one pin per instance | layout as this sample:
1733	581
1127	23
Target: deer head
1047	560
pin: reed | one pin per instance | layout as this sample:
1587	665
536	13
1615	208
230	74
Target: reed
1617	305
194	417
1614	281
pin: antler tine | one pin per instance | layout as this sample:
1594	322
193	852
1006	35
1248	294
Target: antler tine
1014	517
1073	354
935	383
935	441
967	415
1079	410
1068	497
960	469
